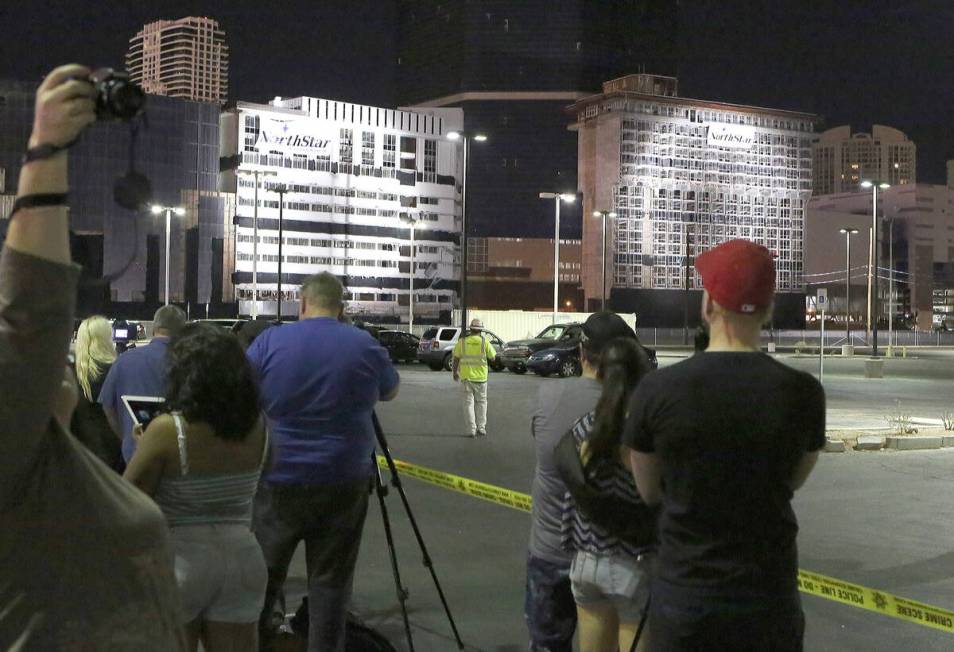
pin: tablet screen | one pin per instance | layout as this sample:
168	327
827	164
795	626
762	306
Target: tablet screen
143	409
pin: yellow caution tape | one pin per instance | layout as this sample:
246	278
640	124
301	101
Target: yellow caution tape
877	601
822	586
488	492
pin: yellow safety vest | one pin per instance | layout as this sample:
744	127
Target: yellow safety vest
473	352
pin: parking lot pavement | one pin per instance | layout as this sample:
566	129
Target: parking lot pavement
883	520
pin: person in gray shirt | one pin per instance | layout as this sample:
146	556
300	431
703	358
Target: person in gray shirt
549	608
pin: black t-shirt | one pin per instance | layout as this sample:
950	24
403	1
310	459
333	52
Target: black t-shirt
728	429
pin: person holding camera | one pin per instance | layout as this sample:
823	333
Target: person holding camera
201	463
723	440
85	559
320	379
139	372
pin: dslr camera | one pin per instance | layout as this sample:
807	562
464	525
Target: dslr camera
117	96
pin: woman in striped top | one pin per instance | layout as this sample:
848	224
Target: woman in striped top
610	569
201	463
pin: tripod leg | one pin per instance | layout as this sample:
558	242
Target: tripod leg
426	557
402	593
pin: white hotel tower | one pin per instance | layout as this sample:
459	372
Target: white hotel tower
357	178
678	176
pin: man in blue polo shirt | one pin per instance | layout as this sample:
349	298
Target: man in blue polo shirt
139	372
319	381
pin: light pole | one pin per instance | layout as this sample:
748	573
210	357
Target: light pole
557	197
848	233
873	263
412	222
281	189
603	215
168	210
465	137
255	174
890	285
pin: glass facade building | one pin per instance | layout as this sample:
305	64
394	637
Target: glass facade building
178	150
513	67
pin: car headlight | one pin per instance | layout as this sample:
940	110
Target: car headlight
543	357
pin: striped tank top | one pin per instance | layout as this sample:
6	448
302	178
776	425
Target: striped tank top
224	498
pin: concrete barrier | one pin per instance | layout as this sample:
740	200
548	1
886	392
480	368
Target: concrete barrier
874	368
914	442
847	350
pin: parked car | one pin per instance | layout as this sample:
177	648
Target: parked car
564	360
401	346
516	354
231	325
437	346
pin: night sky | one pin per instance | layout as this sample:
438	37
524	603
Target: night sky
852	61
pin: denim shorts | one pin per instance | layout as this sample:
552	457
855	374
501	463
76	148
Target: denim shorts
620	580
220	571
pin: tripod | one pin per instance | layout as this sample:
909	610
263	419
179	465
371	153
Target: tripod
381	489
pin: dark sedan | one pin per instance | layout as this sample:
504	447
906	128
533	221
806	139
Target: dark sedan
564	361
516	354
401	346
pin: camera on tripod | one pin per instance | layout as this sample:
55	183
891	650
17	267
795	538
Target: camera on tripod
117	96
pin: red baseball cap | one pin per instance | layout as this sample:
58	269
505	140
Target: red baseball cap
739	275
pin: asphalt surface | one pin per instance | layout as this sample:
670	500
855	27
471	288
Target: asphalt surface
883	520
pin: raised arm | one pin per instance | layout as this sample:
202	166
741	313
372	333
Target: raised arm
37	282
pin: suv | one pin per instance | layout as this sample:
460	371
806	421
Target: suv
516	354
437	347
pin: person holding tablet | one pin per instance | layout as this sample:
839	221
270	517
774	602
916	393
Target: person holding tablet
201	463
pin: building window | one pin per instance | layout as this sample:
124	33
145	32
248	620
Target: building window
390	150
430	156
251	131
346	146
367	148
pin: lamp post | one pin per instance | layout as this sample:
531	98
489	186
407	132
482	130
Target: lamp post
281	189
848	233
557	197
873	263
603	215
412	221
890	286
255	174
465	138
168	210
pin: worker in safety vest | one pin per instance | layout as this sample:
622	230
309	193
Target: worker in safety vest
471	354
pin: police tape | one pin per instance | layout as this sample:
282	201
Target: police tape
488	492
876	601
810	583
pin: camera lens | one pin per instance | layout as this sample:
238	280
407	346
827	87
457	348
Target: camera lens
125	99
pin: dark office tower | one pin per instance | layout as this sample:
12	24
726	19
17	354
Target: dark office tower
514	67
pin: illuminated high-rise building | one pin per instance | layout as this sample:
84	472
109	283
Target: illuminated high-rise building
186	58
842	160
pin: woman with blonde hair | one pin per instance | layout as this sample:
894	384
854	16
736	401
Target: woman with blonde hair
94	354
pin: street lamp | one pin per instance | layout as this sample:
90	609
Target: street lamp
873	264
603	215
465	138
168	210
848	233
412	221
281	189
557	197
255	174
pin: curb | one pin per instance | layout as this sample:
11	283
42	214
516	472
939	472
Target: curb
878	443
